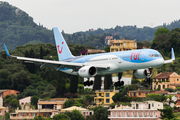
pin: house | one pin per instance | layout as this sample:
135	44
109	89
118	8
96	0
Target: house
3	110
25	100
8	92
56	103
104	96
5	92
108	39
166	80
127	81
142	93
30	114
139	93
139	111
83	111
123	45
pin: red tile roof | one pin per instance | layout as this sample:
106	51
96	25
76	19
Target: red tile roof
163	75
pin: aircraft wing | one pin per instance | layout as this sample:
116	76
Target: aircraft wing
172	57
58	64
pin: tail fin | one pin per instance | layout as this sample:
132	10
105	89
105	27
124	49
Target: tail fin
61	46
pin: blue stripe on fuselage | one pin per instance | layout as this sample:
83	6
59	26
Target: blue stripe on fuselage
134	56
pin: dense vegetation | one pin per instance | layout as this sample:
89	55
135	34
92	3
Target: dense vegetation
30	79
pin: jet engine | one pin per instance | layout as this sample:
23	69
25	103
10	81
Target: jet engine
87	71
143	73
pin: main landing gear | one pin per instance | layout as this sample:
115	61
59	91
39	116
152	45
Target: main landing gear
119	83
88	83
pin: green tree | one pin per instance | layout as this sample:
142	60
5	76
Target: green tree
166	113
14	103
107	49
34	100
100	113
69	114
61	117
73	83
7	116
107	81
39	117
97	83
76	115
161	30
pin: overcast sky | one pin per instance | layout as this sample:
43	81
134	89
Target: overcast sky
81	15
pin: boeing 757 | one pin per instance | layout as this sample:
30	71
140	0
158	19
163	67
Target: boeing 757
141	61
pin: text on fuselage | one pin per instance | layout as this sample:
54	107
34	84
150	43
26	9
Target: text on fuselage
135	55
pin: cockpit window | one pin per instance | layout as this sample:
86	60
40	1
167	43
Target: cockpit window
155	55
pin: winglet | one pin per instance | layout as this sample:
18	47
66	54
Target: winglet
172	54
172	57
6	50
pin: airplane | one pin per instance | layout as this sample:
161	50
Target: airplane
141	61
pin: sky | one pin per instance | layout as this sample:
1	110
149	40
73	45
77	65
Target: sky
81	15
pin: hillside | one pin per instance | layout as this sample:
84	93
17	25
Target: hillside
18	28
132	32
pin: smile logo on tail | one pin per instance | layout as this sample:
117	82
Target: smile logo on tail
60	51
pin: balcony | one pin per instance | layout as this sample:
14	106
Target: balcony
21	117
106	91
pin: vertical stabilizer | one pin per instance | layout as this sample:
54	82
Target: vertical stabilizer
61	46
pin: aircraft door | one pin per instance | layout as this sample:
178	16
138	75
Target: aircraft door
119	60
142	57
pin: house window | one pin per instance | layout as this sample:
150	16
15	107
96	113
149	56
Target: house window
107	94
139	93
20	114
44	115
90	113
99	94
99	100
177	79
134	45
0	111
116	49
84	113
152	104
34	114
107	100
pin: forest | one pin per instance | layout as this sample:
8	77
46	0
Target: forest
18	28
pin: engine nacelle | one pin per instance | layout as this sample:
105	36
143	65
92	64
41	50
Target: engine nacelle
143	73
87	71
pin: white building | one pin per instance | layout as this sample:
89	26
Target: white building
127	81
139	111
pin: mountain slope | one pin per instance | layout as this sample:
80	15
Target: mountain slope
17	28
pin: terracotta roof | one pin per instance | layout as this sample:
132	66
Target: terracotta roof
141	91
50	102
159	92
163	75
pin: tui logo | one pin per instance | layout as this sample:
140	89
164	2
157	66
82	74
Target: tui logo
60	51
